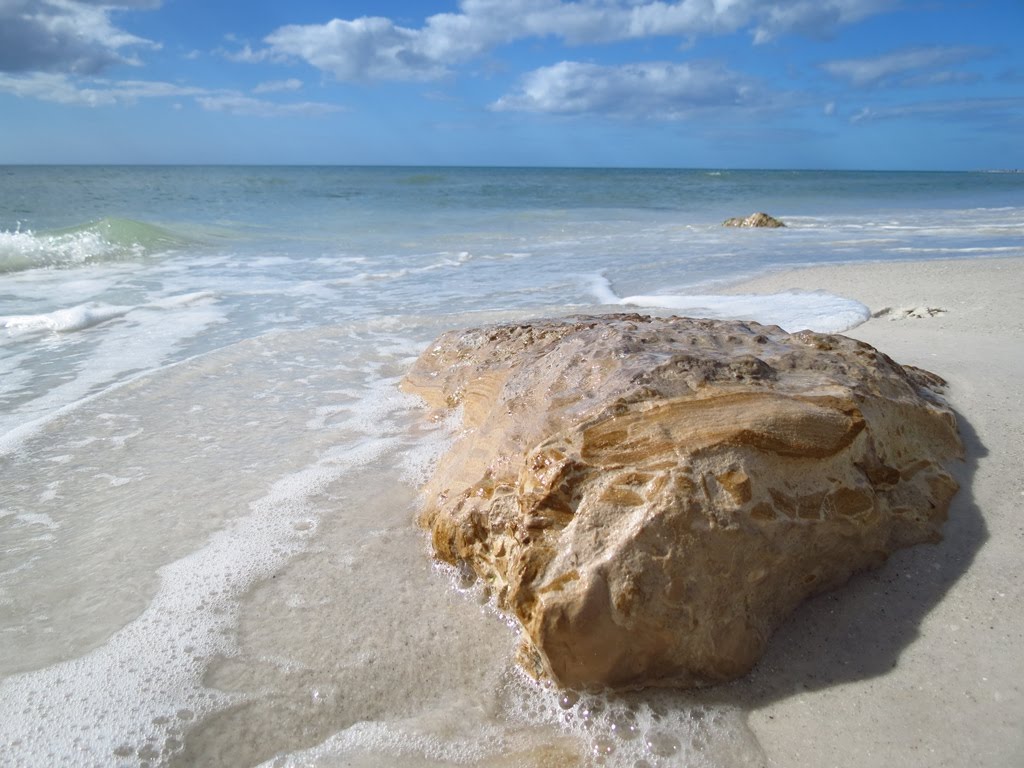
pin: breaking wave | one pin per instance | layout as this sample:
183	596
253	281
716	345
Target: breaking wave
106	240
83	316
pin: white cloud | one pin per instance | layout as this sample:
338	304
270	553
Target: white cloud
239	104
65	35
363	49
62	89
893	67
966	109
652	90
813	18
97	92
275	86
945	77
247	55
376	48
54	87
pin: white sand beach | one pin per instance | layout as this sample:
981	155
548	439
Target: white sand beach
920	663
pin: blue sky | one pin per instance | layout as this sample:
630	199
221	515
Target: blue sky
870	84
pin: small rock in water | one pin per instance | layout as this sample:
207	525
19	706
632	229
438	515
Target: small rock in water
652	497
754	220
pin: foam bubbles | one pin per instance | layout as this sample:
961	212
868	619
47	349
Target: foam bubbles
792	310
526	727
654	727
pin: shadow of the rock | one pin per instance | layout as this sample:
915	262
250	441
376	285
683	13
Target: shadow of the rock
860	630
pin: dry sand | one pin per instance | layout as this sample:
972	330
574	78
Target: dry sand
920	663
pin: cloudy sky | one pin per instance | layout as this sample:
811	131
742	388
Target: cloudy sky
916	84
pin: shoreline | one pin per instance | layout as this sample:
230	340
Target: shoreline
918	663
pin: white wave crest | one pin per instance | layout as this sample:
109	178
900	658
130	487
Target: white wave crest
100	241
87	315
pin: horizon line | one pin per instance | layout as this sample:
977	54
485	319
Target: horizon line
465	166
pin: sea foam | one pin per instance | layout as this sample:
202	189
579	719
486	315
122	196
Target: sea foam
792	311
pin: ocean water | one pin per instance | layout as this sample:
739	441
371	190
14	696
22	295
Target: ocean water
208	475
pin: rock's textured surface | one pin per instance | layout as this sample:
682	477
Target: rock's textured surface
754	220
651	497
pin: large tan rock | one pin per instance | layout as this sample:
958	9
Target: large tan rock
651	497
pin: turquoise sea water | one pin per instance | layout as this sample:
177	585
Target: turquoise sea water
208	474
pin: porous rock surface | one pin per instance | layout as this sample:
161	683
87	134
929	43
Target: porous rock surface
651	497
754	220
